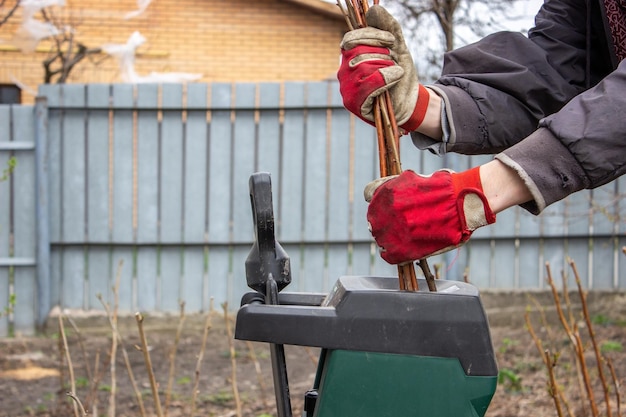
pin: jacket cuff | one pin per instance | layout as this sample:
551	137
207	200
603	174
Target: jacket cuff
467	126
547	167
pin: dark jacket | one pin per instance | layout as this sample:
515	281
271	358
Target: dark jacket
553	103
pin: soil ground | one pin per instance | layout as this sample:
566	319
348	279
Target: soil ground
35	377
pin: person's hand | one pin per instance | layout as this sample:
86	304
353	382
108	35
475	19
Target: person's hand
413	216
376	59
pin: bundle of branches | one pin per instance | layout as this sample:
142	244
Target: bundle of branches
388	136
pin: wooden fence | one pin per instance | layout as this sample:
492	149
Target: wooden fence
145	188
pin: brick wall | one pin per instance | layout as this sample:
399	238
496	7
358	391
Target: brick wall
223	40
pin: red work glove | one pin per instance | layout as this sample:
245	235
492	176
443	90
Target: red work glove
376	59
412	216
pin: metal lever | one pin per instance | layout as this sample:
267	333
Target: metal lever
268	271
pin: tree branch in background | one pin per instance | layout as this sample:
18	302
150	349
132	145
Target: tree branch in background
233	360
571	324
70	366
146	355
10	12
596	349
66	51
549	362
172	357
207	326
78	404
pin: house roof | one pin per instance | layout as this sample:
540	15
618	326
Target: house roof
319	6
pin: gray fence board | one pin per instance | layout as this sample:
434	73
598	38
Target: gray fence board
218	274
121	173
25	291
192	279
237	284
55	167
505	276
268	137
338	210
621	269
5	225
97	144
147	165
314	168
148	288
171	165
603	252
170	275
100	276
290	206
220	165
24	228
122	280
72	277
4	301
243	152
195	175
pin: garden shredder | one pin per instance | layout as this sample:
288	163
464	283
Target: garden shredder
384	352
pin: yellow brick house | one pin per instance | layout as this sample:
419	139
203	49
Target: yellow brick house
215	40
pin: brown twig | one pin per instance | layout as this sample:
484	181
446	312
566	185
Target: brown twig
547	360
572	319
78	404
120	343
82	346
542	316
576	341
430	278
568	301
61	349
207	327
172	356
68	358
314	358
616	385
466	275
592	336
259	373
114	340
233	360
92	397
146	355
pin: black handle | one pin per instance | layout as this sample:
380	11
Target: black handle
266	255
268	271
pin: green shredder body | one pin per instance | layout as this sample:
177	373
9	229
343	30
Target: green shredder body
385	352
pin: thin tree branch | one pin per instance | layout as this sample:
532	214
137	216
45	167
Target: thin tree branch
148	362
10	13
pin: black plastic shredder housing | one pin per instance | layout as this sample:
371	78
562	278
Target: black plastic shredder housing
370	314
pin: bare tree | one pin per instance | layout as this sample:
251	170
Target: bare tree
10	7
66	51
445	19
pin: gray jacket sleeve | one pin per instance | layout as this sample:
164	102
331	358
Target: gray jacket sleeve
499	91
581	146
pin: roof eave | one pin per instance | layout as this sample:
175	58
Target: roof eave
321	7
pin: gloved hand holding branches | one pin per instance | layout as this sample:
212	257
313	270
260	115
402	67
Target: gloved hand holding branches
413	216
376	59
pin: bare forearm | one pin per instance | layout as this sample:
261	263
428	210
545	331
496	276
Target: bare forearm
503	187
